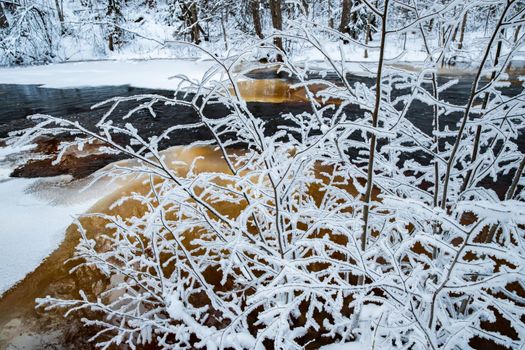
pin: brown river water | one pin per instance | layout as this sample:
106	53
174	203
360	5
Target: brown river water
21	324
24	326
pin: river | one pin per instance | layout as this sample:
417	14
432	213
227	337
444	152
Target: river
268	97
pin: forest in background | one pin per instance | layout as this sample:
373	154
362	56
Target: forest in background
45	31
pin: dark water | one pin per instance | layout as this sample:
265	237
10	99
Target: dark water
18	101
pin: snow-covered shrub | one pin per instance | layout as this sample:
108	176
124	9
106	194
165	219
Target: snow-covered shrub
352	222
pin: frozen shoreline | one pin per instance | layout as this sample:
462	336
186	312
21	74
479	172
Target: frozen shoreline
148	73
30	228
32	221
154	74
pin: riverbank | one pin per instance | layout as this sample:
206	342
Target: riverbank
153	74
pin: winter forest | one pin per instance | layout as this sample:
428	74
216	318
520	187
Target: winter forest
262	174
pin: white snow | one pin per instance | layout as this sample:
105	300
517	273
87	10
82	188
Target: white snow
30	228
154	74
403	52
344	346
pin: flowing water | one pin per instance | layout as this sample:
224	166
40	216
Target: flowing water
25	327
21	325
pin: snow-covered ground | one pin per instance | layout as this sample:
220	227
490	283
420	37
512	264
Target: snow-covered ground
411	50
30	228
32	224
154	74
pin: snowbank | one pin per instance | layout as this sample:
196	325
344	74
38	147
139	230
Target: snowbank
410	51
30	228
32	221
154	74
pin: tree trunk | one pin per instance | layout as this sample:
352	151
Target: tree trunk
431	25
224	36
462	33
190	15
345	16
330	15
353	31
60	13
455	34
516	37
113	12
194	17
368	34
277	21
254	5
3	19
487	19
111	46
306	8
